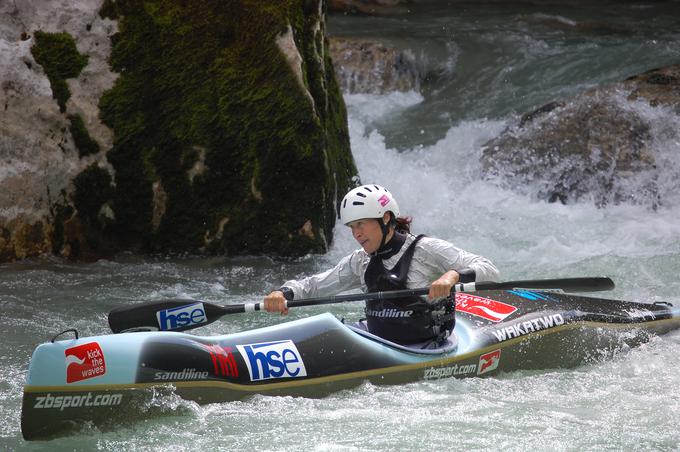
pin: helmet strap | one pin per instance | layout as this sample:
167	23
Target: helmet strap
385	228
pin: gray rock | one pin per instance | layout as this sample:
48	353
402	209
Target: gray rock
596	146
178	167
380	7
372	67
38	156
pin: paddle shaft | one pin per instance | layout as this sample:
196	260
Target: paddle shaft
181	315
566	284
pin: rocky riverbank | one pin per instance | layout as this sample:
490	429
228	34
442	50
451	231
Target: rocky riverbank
166	127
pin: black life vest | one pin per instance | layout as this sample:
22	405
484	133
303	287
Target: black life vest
407	320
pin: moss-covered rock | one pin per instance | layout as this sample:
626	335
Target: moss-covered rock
372	7
60	59
83	231
21	239
230	130
81	138
92	190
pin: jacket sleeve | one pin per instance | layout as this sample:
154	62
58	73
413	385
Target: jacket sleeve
344	276
447	257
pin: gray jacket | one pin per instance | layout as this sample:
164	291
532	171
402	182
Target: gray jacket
432	258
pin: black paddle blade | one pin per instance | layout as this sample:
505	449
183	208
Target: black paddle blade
164	315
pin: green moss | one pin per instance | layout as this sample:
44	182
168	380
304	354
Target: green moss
61	212
93	188
60	59
109	10
82	139
209	74
320	78
7	253
89	236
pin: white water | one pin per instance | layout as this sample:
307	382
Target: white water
630	401
442	188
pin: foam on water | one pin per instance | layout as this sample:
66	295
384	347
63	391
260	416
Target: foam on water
442	188
622	402
628	401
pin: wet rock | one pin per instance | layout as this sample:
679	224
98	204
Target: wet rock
21	239
381	7
596	146
39	155
658	87
194	127
372	67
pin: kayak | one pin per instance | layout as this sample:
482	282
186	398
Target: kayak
112	380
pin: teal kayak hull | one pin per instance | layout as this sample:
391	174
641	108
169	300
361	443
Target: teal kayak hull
111	380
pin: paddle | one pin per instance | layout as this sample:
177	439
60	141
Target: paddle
181	315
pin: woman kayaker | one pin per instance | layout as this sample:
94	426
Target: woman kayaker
391	258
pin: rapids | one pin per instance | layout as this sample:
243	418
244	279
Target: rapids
487	65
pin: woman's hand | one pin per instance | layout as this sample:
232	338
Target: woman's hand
441	288
276	302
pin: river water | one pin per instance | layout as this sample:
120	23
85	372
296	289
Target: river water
485	65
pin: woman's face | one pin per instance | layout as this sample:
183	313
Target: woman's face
368	233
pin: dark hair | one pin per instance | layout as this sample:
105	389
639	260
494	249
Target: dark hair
403	224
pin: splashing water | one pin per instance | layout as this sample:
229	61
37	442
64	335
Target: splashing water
627	401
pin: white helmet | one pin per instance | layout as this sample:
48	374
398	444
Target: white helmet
367	201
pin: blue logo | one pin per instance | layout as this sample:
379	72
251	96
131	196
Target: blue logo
530	295
278	359
181	316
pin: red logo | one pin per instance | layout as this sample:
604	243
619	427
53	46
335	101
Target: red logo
383	200
483	307
489	361
84	361
223	360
